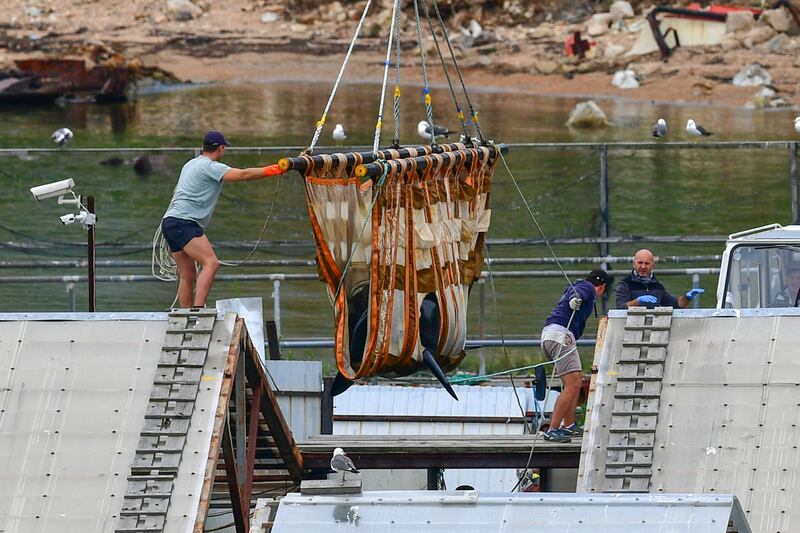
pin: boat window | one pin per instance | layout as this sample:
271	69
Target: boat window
763	276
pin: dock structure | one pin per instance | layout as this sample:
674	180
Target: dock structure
442	451
716	393
140	422
131	422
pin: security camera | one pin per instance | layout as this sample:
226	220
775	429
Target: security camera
83	218
51	190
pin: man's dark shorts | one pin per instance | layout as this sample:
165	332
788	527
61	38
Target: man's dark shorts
178	232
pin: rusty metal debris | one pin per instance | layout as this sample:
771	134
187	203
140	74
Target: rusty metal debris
94	70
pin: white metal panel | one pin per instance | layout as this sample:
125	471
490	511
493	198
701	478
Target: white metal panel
73	396
728	418
474	401
298	386
471	511
74	400
252	310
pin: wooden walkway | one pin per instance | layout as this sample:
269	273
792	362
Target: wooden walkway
441	451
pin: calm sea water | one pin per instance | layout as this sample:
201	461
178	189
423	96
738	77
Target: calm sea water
651	192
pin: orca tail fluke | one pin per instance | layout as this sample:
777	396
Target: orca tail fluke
340	384
436	370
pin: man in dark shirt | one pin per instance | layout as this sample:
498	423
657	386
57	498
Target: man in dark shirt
640	288
562	329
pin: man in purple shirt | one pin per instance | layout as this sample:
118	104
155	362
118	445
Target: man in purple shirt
562	329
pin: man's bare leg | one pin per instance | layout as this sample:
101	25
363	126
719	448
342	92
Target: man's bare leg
567	401
187	275
202	252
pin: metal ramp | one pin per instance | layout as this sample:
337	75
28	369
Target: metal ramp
727	419
166	422
132	421
629	453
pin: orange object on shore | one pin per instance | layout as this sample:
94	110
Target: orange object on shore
575	45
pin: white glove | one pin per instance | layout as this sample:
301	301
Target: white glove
575	304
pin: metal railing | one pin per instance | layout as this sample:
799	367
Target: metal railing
604	240
276	278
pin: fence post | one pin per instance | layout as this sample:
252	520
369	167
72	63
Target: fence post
605	219
326	408
482	323
696	285
72	296
793	174
276	305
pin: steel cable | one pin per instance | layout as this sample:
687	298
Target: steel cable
459	112
426	90
379	123
321	121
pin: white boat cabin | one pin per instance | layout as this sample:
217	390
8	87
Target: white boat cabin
761	269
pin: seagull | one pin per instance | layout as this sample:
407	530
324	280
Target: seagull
62	136
341	463
424	130
696	129
797	124
660	129
339	134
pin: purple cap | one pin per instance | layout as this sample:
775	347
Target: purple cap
215	138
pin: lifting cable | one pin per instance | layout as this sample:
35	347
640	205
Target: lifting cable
459	112
536	222
426	90
396	100
321	121
473	113
379	124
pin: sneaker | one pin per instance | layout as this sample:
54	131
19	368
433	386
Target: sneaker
573	430
557	435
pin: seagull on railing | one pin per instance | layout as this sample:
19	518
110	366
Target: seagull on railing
424	130
660	129
62	136
341	463
696	129
797	124
339	135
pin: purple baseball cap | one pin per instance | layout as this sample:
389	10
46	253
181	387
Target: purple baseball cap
215	138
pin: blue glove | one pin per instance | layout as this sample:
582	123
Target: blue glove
647	299
694	292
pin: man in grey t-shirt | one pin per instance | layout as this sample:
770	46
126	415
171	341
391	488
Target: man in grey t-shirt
189	212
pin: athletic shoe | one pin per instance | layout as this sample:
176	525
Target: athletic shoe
573	430
557	435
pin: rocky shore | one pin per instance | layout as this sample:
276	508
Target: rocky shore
517	44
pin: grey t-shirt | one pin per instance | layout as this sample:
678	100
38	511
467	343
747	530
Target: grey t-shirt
197	190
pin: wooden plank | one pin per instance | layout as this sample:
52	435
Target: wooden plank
271	412
252	437
347	485
468	451
239	519
272	340
240	418
219	422
435	419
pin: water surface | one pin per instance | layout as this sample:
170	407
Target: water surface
652	192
